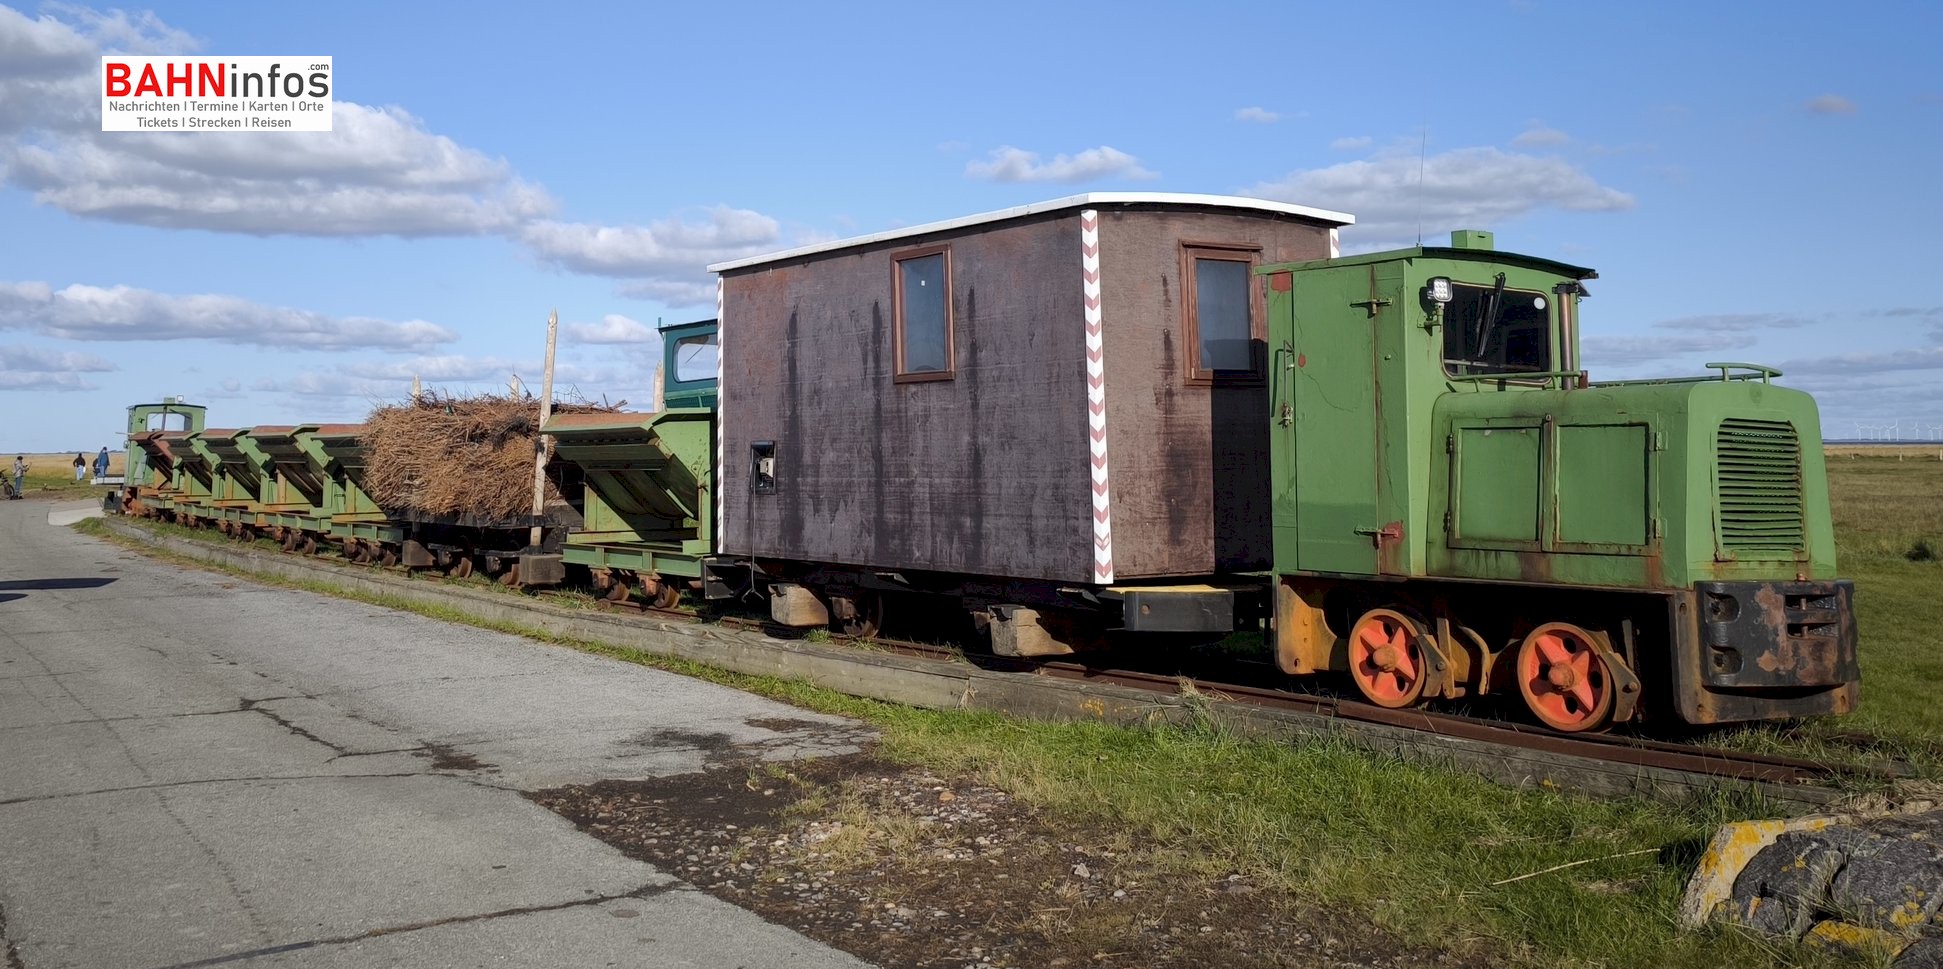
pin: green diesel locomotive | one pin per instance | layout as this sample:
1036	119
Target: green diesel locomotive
1594	546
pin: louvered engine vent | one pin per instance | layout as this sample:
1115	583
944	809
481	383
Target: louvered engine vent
1758	477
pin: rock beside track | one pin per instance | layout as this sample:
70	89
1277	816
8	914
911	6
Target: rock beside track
1870	881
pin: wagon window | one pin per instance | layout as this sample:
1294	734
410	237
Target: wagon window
1223	317
695	358
922	282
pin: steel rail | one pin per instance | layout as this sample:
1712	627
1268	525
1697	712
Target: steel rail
1717	762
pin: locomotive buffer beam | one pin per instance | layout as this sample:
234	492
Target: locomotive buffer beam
1174	608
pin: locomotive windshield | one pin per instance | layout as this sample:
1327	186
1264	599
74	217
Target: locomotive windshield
1494	330
695	358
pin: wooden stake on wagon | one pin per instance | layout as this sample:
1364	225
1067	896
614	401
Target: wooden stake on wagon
541	445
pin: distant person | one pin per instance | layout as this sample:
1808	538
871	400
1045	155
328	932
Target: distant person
19	473
80	465
101	464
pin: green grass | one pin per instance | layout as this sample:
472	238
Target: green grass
1883	508
1413	849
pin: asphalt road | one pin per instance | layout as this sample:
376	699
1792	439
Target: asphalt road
199	771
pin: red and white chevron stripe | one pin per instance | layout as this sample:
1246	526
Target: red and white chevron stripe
1089	238
715	479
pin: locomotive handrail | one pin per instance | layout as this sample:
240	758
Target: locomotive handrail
1515	375
1765	373
1756	370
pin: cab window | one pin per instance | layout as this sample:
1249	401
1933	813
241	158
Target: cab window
1495	330
695	358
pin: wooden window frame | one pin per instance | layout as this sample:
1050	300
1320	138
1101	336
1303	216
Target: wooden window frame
1197	375
898	374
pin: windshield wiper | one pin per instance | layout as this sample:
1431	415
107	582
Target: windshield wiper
1493	308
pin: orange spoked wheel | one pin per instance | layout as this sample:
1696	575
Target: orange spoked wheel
1563	679
1386	658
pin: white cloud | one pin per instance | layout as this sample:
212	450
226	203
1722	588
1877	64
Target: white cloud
1687	336
1629	351
380	381
1357	143
378	172
47	64
1540	136
1257	115
37	359
1009	164
1830	104
81	312
663	260
671	292
1734	322
1913	358
37	368
1465	188
612	328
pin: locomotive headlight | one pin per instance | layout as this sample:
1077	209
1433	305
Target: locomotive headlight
1439	290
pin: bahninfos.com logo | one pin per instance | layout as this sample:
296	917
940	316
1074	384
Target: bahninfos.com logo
141	93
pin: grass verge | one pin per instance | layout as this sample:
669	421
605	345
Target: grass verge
1429	856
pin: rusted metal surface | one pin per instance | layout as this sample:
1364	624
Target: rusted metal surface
1765	648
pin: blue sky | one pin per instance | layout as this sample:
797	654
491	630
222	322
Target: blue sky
1752	182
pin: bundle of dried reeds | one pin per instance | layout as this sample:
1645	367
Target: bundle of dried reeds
460	456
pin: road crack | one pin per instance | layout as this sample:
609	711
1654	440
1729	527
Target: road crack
644	892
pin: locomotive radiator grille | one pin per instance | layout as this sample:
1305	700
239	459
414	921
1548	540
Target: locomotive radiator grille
1757	474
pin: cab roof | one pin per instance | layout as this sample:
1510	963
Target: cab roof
1441	252
1088	200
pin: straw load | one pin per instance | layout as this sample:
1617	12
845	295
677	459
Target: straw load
458	456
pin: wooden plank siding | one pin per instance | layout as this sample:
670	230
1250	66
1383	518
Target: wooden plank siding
983	474
1190	463
988	473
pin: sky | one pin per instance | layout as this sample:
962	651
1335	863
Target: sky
1752	182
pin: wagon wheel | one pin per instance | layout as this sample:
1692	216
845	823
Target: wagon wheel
1386	658
667	597
246	534
862	617
309	544
617	589
388	557
366	552
510	577
289	543
463	568
1563	679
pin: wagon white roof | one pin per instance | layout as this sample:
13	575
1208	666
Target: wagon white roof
1090	199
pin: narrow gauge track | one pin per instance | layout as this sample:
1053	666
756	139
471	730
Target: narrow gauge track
1611	748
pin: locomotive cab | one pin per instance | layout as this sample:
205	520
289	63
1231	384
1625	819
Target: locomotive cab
1459	510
